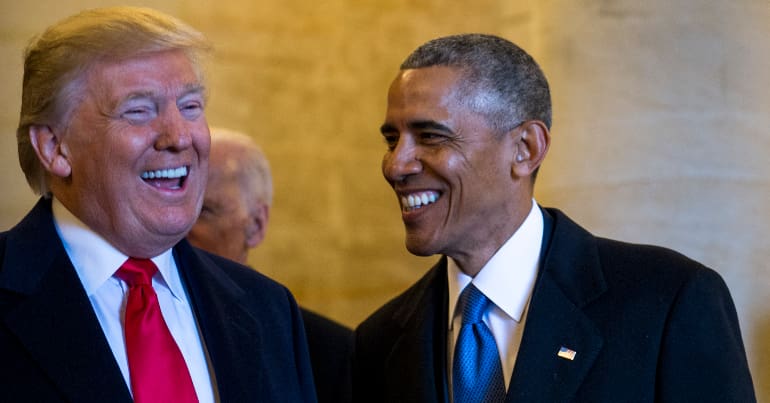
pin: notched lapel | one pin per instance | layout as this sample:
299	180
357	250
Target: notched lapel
540	374
418	357
571	277
60	331
230	332
410	368
53	318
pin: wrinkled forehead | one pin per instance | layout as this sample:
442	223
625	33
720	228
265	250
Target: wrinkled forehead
441	88
450	88
152	75
430	86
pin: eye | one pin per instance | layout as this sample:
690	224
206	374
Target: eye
432	138
391	140
207	211
191	110
191	106
138	113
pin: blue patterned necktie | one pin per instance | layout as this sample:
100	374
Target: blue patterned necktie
477	375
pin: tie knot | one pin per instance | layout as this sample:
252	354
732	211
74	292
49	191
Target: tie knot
475	302
137	271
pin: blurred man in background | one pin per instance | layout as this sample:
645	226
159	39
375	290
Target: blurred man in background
233	220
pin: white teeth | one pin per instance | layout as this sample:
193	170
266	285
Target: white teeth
172	173
418	200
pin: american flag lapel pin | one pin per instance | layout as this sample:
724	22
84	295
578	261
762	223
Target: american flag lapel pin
566	353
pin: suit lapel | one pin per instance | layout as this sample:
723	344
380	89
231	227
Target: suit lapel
231	334
53	319
540	375
416	367
570	277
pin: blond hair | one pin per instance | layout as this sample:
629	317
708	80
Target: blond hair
57	61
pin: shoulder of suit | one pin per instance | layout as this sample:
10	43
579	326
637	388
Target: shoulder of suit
424	293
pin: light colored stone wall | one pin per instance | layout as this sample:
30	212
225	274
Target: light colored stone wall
661	114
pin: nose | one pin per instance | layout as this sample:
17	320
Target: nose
402	161
173	131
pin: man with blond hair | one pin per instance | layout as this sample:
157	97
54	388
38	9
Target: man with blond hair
101	297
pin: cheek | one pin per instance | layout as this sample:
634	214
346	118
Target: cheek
202	138
219	228
455	168
120	148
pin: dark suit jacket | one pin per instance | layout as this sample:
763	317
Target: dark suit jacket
52	348
648	325
331	348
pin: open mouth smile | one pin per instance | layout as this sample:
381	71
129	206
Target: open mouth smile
170	178
417	200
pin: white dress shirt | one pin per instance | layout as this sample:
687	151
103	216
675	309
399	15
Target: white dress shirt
96	262
507	280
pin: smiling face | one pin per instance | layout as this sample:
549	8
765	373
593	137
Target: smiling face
452	173
132	163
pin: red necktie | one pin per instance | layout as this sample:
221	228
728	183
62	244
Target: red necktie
157	368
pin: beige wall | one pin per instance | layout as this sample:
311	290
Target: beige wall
662	112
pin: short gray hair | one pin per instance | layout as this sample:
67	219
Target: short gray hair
502	81
244	161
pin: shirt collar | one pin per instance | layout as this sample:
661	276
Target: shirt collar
508	278
96	260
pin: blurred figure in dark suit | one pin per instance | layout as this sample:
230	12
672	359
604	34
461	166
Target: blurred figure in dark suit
233	220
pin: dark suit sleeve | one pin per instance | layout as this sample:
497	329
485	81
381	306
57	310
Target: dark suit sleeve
330	345
374	339
304	370
702	356
364	375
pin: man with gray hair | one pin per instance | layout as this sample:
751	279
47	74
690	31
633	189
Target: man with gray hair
233	220
101	297
238	197
524	305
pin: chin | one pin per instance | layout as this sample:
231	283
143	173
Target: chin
419	248
178	220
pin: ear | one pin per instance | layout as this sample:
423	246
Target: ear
532	142
255	234
50	150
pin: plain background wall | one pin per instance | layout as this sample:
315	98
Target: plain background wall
661	129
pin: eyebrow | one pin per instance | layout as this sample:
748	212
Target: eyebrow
429	124
137	95
194	88
419	125
186	90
